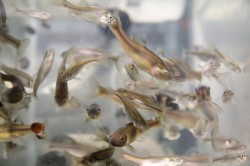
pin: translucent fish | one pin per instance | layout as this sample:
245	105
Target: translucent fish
227	96
126	135
26	79
132	71
61	92
92	14
155	161
44	69
142	57
34	13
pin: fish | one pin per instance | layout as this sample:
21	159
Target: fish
217	55
211	67
19	45
44	69
3	24
98	156
14	94
93	111
75	69
142	57
92	14
227	96
124	136
148	101
229	145
200	128
203	54
238	159
190	73
132	113
155	161
15	131
228	61
171	132
26	79
34	13
205	105
61	91
177	73
132	71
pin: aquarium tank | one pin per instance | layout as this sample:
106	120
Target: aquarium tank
124	82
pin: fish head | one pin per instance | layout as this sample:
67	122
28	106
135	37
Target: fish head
161	73
39	130
129	67
203	93
213	64
94	111
241	158
118	138
107	18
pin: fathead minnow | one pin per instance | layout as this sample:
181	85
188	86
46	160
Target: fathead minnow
227	96
236	159
35	14
26	79
144	58
126	135
92	14
61	93
14	94
132	113
210	67
44	69
132	71
228	62
16	130
225	144
155	161
98	156
177	73
148	101
205	104
3	18
94	111
190	73
75	68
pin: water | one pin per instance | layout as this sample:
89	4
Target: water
167	26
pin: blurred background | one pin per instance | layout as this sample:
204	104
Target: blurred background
168	26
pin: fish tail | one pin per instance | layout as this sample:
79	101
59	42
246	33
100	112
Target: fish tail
98	88
133	159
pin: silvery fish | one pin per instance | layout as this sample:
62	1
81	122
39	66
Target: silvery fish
44	69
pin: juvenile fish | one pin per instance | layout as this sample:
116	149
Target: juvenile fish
146	100
3	24
94	111
16	130
126	135
61	93
91	13
190	73
44	69
98	156
227	96
144	58
132	71
155	161
130	109
75	69
236	159
26	79
34	13
228	61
